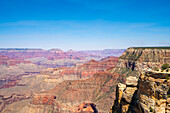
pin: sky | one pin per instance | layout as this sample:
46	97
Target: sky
84	24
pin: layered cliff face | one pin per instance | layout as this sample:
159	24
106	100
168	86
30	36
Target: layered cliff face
98	90
83	71
140	58
148	94
132	62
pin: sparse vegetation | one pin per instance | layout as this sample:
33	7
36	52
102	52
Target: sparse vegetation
165	66
151	109
167	78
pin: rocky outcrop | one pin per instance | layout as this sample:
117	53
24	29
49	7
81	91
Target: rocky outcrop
151	94
87	108
140	58
131	81
5	100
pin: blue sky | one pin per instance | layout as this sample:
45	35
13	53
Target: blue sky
84	24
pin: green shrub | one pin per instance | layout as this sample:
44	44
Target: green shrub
165	66
151	109
167	78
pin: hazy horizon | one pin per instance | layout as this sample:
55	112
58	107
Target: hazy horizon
84	25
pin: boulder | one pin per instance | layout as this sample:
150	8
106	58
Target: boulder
131	81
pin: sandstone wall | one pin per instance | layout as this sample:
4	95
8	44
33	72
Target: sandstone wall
151	93
140	58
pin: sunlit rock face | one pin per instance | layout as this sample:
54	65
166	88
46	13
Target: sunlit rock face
140	58
87	108
151	94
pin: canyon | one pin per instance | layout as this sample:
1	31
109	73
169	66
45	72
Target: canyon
49	78
110	84
17	62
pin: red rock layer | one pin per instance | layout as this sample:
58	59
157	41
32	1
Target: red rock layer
43	99
87	69
99	89
90	68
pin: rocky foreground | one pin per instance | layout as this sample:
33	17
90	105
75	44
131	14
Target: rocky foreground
151	93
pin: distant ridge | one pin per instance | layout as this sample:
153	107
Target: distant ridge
20	49
166	47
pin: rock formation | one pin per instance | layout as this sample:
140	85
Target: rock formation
87	108
140	58
148	94
10	99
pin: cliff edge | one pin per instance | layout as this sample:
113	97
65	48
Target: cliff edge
138	58
151	93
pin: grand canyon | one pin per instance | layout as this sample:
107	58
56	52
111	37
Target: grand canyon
56	81
84	56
